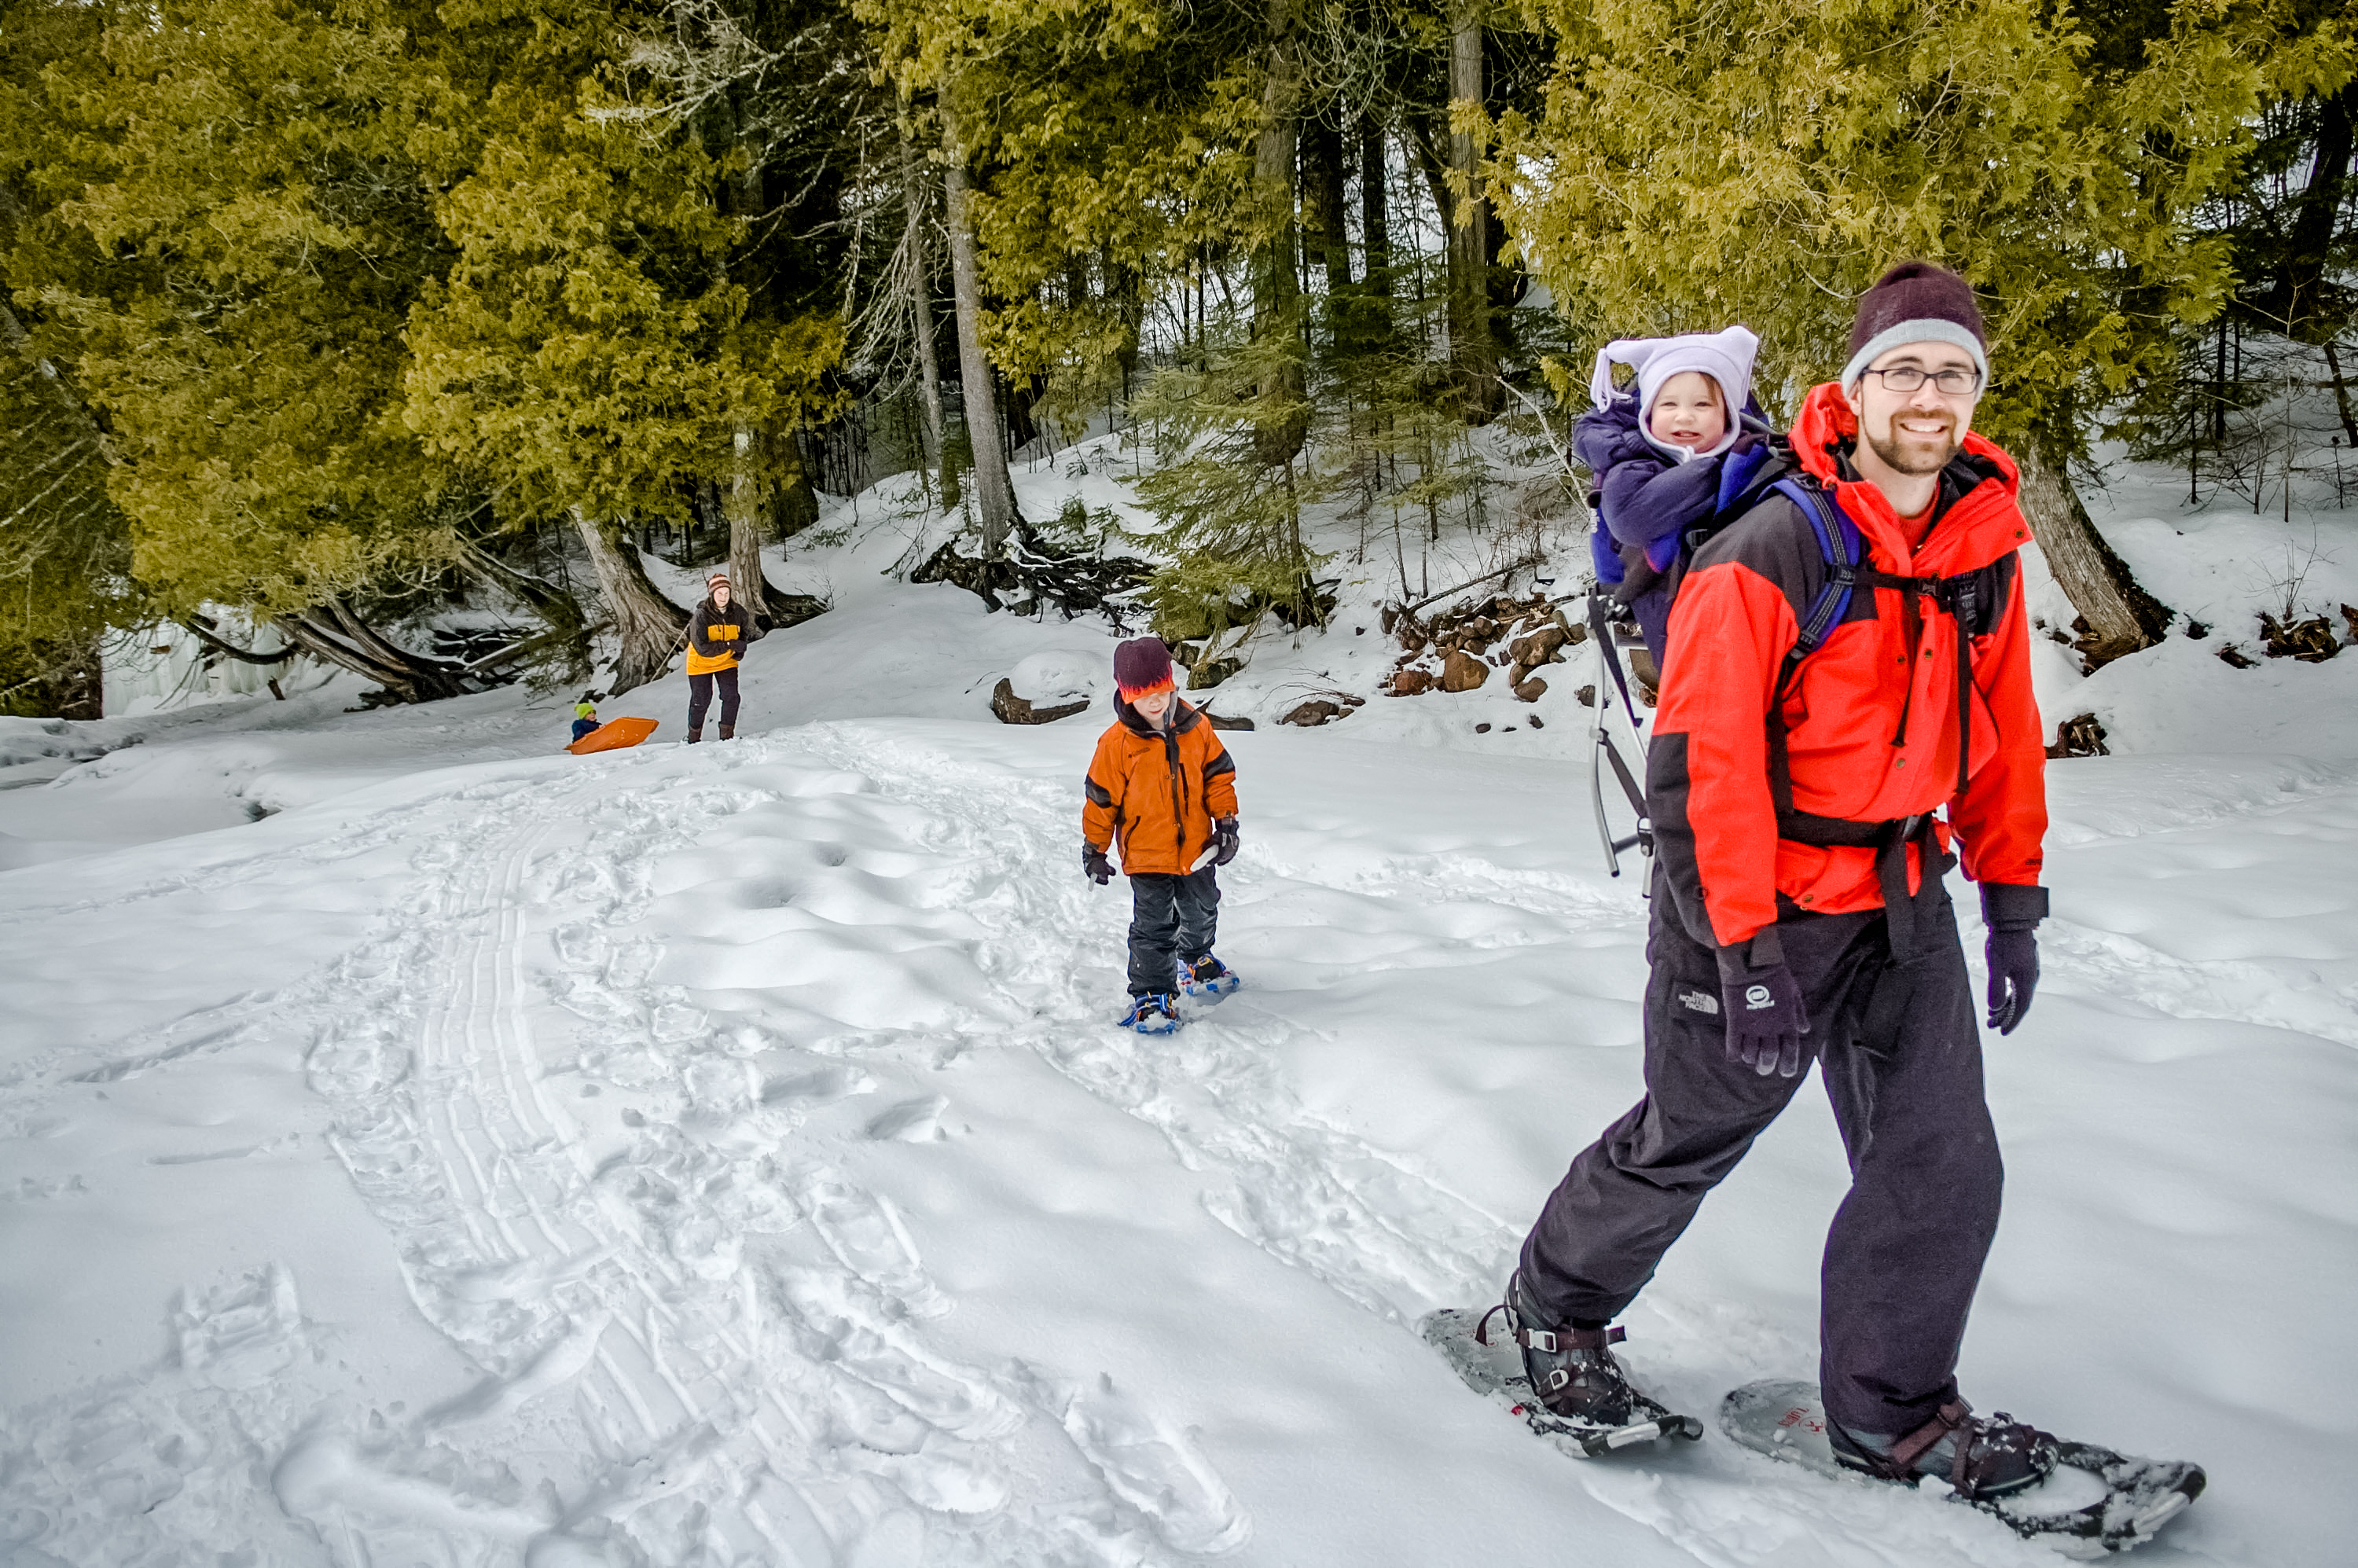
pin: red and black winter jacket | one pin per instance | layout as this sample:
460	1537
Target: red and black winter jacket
1871	721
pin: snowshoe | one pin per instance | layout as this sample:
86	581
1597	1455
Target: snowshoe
2074	1497
1151	1015
1592	1408
1206	977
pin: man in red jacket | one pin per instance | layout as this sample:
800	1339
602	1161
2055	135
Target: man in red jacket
1800	910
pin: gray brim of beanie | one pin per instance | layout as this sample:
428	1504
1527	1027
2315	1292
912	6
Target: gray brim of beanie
1930	329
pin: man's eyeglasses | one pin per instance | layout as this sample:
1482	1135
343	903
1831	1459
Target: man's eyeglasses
1954	382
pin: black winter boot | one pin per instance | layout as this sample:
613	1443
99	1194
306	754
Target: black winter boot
1571	1370
1980	1459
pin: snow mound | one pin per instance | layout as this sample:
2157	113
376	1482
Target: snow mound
25	740
1059	676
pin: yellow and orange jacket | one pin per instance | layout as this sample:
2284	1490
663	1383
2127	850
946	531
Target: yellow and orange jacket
717	636
1158	791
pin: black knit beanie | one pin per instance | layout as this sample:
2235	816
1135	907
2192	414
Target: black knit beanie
1916	302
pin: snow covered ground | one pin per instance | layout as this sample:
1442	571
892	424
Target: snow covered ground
420	1146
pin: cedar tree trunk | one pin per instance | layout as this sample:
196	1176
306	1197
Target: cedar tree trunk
649	626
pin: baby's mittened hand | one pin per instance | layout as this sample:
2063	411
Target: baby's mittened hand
1095	866
1224	841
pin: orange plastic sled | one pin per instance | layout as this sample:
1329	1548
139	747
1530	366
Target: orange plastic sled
613	736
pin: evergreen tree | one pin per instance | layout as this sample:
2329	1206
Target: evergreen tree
64	546
588	351
1767	163
231	290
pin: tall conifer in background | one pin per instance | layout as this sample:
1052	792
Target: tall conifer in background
588	351
64	545
228	271
1764	162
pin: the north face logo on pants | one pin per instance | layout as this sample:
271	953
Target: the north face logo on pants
1694	999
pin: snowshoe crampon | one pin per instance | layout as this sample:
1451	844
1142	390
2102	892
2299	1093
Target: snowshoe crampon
2094	1502
1494	1371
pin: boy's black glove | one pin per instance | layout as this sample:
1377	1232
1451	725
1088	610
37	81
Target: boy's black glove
1766	1019
1224	841
2013	915
1094	864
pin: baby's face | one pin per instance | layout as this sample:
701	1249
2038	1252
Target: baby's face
1153	705
1689	412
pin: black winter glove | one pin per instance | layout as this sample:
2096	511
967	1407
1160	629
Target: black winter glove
1224	841
2013	914
1094	864
1766	1020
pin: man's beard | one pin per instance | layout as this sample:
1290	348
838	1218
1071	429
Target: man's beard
1911	455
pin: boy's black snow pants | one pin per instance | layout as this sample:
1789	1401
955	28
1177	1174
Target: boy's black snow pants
1171	917
699	697
1901	1059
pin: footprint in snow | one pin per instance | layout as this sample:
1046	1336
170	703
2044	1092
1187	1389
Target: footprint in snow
823	1086
865	1233
1157	1469
915	1121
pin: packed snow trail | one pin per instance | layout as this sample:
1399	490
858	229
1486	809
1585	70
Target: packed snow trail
771	1406
753	1121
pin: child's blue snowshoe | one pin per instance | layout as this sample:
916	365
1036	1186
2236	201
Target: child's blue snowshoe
1151	1015
1207	977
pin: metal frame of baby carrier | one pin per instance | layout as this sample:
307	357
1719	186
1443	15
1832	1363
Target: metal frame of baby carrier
1744	480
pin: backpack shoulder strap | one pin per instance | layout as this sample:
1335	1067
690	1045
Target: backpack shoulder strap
1839	545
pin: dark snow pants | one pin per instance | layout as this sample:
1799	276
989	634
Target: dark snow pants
1171	917
1901	1059
699	697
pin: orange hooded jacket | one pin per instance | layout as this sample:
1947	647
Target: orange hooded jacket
1872	722
1158	791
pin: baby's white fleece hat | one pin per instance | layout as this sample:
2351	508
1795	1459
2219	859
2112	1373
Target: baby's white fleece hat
1724	356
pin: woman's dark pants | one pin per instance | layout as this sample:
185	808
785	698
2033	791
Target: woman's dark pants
699	697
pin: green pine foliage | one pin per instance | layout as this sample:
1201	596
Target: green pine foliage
1696	164
341	301
231	280
587	349
1231	518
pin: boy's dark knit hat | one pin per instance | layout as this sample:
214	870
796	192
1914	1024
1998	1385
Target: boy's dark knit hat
1916	302
1141	665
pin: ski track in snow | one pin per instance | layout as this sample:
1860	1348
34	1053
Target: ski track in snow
786	1408
715	1346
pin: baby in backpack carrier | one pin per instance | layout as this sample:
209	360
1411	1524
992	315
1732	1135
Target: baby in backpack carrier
1659	453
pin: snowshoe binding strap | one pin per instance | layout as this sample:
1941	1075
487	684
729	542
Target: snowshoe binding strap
1586	1385
1988	1459
1954	1416
1551	1341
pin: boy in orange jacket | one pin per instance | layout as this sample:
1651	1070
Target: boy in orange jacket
1163	784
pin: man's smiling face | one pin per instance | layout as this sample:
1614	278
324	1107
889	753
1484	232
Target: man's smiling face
1915	432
